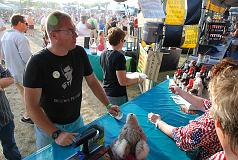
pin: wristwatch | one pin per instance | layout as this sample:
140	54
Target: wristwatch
56	134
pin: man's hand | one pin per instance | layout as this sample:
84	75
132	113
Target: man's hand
114	110
65	138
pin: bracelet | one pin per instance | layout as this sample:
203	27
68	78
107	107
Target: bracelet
157	123
109	106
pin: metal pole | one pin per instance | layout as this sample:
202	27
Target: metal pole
204	4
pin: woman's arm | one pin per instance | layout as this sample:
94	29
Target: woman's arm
126	79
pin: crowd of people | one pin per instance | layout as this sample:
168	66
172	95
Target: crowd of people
38	83
52	91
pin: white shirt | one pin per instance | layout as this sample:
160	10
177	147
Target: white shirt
1	25
83	30
16	52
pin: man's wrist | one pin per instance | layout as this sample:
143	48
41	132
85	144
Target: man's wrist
56	134
109	106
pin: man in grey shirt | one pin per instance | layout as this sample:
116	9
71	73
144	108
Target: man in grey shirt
16	52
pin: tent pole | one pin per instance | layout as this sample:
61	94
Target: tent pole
203	14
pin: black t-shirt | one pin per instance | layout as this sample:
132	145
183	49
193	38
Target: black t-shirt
60	78
112	61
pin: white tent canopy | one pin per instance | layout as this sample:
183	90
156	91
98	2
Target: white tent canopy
3	6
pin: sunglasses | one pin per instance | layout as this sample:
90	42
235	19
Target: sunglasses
25	23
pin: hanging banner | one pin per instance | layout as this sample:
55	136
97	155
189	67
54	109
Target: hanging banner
142	60
173	36
194	10
175	12
191	36
149	63
211	6
152	9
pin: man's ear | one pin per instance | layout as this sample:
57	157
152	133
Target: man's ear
52	35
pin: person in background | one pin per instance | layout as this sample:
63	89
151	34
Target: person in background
42	23
200	134
93	33
31	24
16	52
7	126
135	26
223	90
132	33
83	28
234	34
113	62
2	30
125	23
101	45
101	23
53	90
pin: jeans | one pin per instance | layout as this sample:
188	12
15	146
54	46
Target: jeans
43	139
7	139
118	100
86	42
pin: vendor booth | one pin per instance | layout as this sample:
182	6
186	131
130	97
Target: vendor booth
156	100
159	49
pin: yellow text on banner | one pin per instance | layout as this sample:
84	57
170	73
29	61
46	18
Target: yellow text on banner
191	36
142	60
175	12
215	8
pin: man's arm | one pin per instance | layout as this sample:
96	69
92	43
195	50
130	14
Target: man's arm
5	82
100	94
97	89
24	49
32	99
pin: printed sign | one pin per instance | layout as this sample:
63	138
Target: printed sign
211	6
152	8
142	60
191	36
175	12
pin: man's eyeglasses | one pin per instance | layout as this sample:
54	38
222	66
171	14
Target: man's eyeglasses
67	31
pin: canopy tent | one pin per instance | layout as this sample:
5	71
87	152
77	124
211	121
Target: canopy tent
3	6
227	3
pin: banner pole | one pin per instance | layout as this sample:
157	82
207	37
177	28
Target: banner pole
203	14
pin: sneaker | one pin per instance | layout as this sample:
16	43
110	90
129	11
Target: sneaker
27	120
